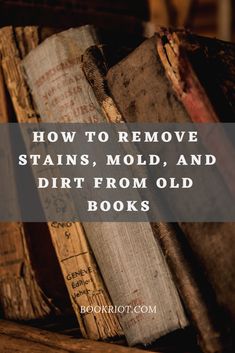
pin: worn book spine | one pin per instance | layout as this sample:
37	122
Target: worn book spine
83	280
187	60
130	259
17	87
81	275
201	71
95	67
20	295
202	256
188	89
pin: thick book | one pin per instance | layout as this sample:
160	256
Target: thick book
83	280
130	258
179	77
21	296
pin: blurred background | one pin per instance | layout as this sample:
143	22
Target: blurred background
214	18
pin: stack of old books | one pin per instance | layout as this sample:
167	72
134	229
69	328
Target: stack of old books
185	271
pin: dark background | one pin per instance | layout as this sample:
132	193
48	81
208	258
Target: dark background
124	17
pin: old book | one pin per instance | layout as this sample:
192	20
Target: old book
130	259
20	294
81	275
178	78
10	62
201	71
